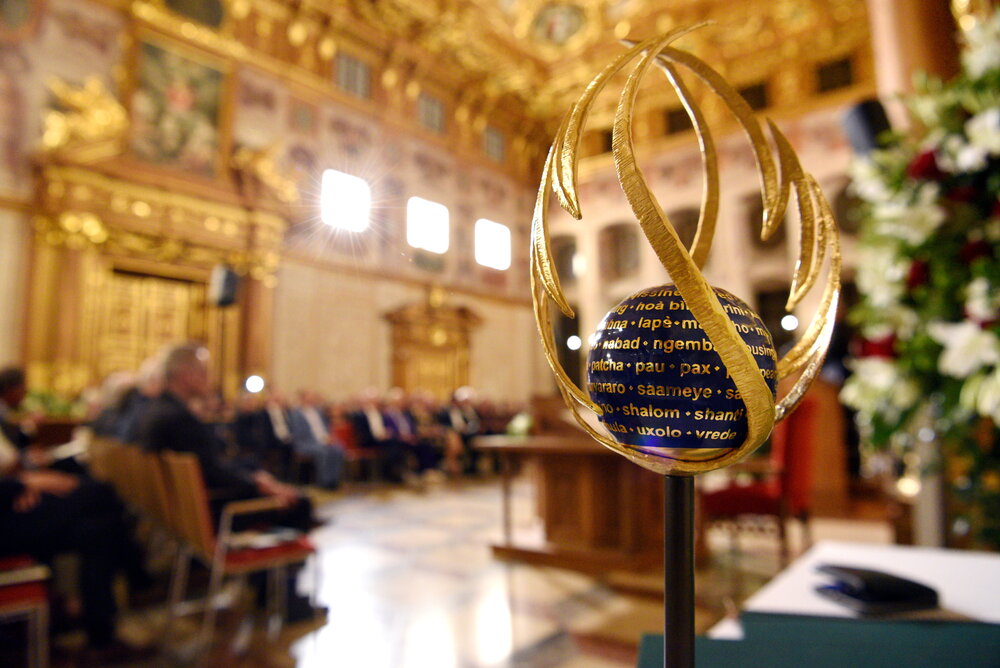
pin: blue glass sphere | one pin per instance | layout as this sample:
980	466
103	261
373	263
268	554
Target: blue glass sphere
659	380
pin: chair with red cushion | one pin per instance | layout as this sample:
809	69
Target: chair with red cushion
23	595
367	458
784	493
191	522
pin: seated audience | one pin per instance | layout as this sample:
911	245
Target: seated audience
46	513
462	422
371	431
311	438
170	425
402	428
278	443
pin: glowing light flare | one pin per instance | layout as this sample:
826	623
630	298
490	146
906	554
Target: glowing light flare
427	225
254	384
789	323
574	342
345	201
492	244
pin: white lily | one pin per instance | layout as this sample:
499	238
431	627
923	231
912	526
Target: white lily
981	303
911	218
983	130
967	347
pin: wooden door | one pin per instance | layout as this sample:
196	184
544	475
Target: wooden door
140	314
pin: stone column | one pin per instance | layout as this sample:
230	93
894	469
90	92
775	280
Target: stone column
909	36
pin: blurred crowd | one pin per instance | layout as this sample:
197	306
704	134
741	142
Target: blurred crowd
263	444
305	438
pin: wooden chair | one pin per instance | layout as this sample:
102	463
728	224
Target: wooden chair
99	453
785	491
23	595
191	521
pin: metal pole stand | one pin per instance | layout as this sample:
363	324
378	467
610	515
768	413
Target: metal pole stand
678	572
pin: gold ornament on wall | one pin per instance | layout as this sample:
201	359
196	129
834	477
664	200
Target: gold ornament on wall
85	117
740	355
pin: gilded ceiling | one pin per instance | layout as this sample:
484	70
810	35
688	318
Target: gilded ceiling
544	51
520	64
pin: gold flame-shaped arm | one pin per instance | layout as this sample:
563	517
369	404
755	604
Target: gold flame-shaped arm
818	257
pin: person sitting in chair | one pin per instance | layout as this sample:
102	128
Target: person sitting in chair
169	424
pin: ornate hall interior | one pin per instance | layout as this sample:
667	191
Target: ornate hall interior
326	207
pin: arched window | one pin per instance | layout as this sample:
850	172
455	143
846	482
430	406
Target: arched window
619	250
492	244
207	12
563	252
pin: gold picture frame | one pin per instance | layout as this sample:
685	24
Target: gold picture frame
179	104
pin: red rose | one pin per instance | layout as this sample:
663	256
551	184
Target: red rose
918	275
884	347
972	250
924	166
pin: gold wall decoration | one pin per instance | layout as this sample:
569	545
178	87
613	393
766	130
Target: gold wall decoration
88	121
431	345
122	251
781	176
258	167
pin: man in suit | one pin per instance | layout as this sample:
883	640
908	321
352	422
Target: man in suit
403	428
278	441
462	421
169	424
311	438
373	431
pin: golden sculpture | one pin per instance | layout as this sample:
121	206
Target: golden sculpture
780	175
261	165
87	117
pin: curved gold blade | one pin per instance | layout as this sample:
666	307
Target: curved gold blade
697	293
774	199
814	343
809	261
709	217
569	140
544	323
541	251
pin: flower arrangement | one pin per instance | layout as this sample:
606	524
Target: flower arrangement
929	279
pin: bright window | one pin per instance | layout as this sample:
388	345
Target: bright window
345	201
427	225
492	244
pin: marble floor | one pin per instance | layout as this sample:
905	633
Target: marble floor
409	582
